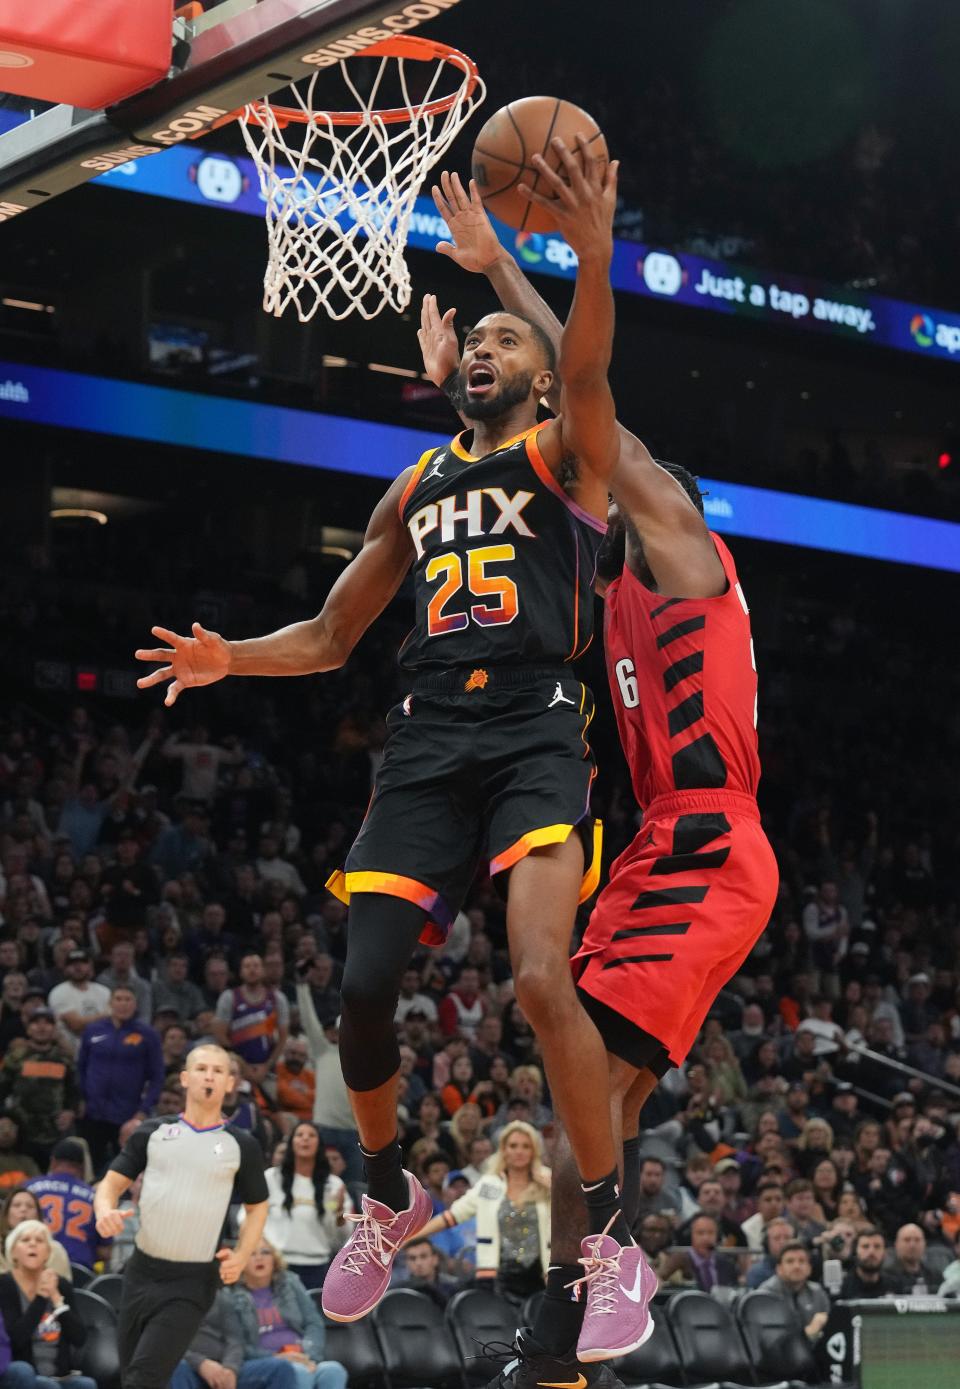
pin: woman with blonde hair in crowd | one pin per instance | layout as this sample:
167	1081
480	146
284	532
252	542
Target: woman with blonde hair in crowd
465	1126
276	1317
44	1330
21	1204
511	1203
814	1144
723	1068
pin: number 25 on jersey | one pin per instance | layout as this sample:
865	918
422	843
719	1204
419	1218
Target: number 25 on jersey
480	584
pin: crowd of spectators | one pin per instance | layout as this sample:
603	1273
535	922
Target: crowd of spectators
163	880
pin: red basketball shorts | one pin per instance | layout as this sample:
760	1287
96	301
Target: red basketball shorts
685	905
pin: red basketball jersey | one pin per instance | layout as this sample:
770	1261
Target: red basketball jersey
684	685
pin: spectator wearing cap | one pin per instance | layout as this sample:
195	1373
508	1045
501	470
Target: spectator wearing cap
737	1206
120	1068
794	1118
412	999
793	1282
457	1245
38	1085
66	1201
78	1000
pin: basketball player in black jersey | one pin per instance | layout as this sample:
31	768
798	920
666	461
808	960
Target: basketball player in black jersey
488	753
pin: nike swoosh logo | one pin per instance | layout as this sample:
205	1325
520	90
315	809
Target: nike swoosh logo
578	1383
636	1292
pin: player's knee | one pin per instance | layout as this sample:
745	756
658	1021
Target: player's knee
368	993
543	991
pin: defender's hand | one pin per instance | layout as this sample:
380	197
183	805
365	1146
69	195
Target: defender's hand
583	206
438	341
201	659
475	246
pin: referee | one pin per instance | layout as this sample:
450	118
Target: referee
191	1168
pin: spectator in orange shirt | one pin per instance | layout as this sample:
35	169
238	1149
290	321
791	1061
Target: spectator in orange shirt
296	1081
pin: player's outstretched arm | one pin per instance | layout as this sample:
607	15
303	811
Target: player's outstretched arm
321	643
582	206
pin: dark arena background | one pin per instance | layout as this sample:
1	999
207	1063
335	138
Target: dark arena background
787	290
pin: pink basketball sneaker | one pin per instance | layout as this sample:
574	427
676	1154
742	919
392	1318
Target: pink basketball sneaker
360	1273
619	1286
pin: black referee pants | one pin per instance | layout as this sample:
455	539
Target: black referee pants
162	1305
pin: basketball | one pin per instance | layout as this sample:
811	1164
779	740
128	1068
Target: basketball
507	143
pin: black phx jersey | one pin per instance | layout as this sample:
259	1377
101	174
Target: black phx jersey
488	753
505	560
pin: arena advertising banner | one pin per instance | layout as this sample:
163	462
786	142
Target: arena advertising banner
246	428
194	175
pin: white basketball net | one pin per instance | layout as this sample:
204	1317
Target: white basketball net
339	198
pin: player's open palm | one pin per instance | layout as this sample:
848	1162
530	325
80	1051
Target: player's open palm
581	197
475	245
438	340
201	659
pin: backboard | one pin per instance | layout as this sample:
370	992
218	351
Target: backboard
233	54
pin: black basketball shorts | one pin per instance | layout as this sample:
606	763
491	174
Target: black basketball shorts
488	763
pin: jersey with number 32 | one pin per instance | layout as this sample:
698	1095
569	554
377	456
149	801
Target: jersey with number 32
505	560
684	686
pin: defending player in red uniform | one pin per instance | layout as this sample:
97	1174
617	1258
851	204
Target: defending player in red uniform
688	899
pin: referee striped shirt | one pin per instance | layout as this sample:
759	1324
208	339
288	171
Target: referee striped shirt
190	1178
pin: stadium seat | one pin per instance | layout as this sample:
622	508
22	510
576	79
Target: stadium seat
708	1339
108	1286
777	1347
355	1346
95	1311
478	1318
80	1275
419	1351
99	1357
657	1362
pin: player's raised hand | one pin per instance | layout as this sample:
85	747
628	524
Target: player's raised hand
475	246
438	340
581	200
201	659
